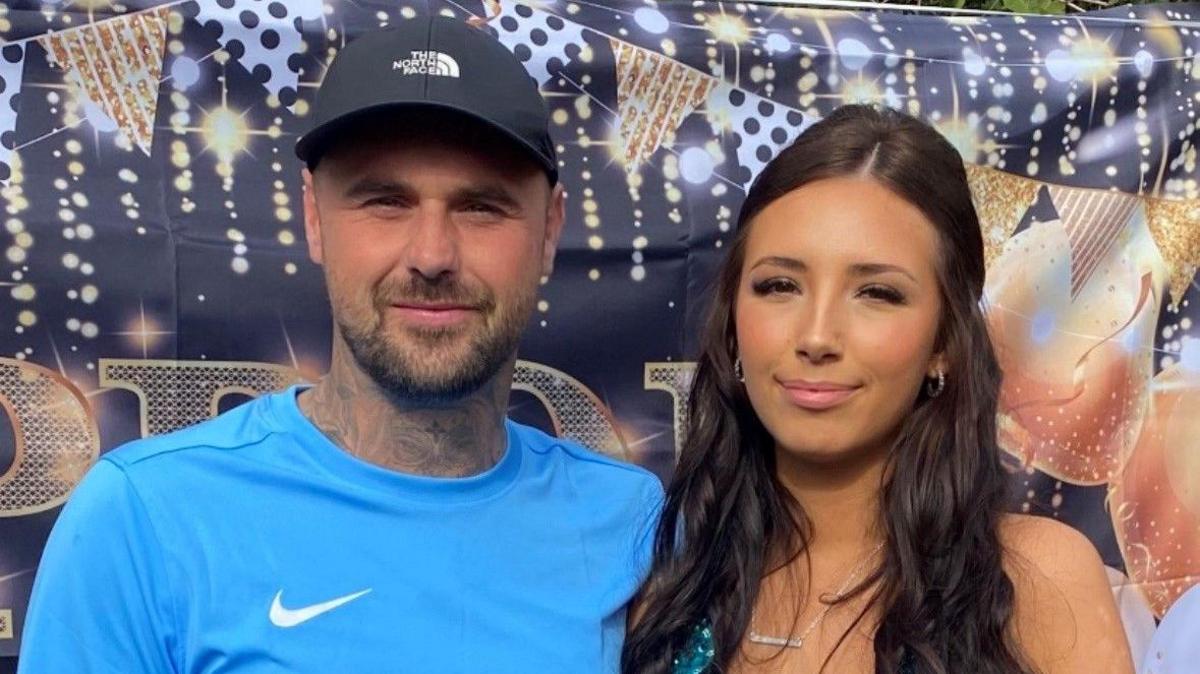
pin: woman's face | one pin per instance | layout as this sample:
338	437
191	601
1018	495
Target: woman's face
837	316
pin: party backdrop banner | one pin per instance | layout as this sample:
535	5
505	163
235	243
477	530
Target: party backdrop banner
154	272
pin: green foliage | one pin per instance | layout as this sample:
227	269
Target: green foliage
1035	6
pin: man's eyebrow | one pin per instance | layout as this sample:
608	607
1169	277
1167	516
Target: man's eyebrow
490	193
373	187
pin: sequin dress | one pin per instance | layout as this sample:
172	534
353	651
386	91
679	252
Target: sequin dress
698	655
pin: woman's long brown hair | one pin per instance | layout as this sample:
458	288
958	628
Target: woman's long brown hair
941	592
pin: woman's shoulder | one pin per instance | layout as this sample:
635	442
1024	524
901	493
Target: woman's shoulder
1047	547
1051	565
1064	615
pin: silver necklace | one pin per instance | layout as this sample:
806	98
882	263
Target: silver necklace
796	642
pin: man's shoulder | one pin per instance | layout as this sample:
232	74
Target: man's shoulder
239	427
606	470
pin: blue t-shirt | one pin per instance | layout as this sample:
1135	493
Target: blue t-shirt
251	543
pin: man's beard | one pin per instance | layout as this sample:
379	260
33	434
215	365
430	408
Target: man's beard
411	363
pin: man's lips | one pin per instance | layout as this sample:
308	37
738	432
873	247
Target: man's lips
433	315
816	395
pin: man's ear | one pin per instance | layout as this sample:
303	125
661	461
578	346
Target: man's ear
312	220
555	215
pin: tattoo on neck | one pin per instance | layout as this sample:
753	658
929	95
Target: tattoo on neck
457	440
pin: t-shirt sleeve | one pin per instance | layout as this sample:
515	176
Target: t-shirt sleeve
649	513
101	598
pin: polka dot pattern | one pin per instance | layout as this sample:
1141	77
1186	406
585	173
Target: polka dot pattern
542	41
12	61
262	36
761	128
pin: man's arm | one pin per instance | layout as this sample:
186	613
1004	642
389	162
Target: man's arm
102	601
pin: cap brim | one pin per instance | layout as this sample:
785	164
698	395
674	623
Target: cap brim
312	145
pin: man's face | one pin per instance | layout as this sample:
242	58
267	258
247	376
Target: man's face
433	250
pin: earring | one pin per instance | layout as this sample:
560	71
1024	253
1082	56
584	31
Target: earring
935	387
737	370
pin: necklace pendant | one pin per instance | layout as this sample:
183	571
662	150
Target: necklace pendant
774	641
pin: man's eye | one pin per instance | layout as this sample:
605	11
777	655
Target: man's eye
387	202
481	208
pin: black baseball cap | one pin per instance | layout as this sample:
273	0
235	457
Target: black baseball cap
435	63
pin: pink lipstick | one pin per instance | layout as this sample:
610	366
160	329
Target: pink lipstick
816	395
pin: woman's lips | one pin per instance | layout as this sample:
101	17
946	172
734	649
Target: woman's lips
816	395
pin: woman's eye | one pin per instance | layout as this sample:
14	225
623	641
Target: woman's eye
774	286
883	294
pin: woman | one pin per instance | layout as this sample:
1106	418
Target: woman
839	503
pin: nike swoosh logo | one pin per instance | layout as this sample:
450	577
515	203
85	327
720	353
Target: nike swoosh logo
287	617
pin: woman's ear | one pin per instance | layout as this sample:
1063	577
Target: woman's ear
937	363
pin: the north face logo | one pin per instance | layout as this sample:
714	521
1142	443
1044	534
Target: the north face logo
427	63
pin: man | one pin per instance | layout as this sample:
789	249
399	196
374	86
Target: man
388	519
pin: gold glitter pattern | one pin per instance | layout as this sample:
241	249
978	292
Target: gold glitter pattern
1175	225
1001	200
654	94
175	394
56	438
575	412
117	64
676	379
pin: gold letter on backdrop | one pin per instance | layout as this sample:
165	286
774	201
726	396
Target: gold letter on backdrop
174	394
576	412
55	435
178	393
676	379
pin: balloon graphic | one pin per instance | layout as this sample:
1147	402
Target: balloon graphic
1155	503
1077	362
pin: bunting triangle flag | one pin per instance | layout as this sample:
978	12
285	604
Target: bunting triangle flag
116	64
1093	220
542	41
12	68
654	94
1001	200
265	44
1175	226
761	127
